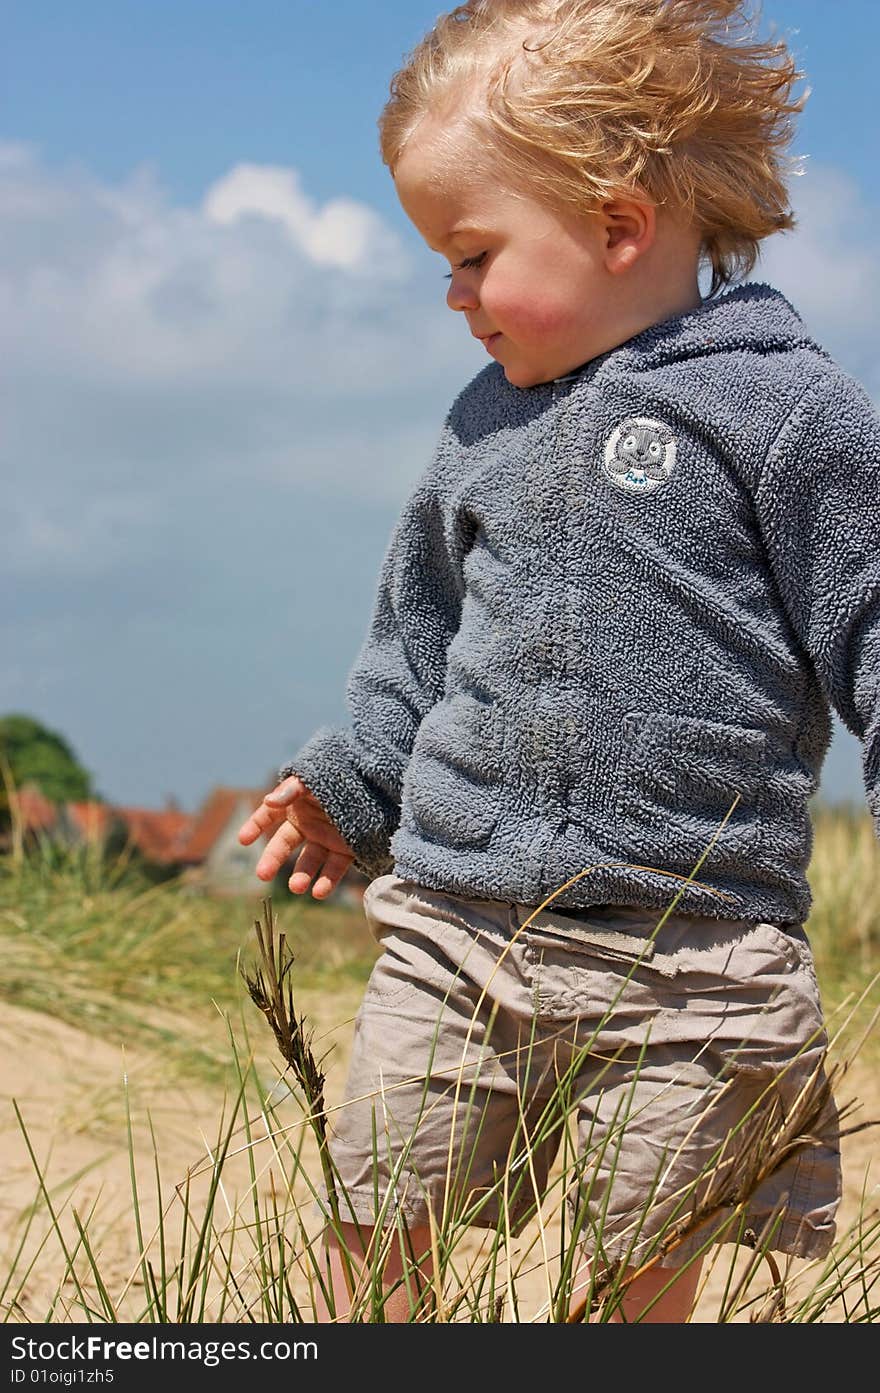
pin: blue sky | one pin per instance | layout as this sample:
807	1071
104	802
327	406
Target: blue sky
227	358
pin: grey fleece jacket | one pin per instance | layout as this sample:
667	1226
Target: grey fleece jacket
611	624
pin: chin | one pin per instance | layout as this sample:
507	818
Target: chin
524	377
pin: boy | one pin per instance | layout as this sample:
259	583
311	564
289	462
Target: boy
610	625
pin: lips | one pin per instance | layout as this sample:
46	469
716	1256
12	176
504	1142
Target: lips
488	340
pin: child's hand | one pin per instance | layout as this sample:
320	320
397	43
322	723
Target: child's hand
292	816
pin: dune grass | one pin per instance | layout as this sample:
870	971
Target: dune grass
102	947
209	986
96	943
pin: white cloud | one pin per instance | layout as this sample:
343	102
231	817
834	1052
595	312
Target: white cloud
829	267
342	233
153	353
119	286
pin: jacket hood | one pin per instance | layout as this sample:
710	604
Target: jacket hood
752	317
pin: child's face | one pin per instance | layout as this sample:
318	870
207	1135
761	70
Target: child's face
532	282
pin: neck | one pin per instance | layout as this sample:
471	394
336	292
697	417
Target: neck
664	283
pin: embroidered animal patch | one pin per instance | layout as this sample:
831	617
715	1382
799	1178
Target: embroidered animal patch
639	455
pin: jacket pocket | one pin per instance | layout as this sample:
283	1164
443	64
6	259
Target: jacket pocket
452	786
679	778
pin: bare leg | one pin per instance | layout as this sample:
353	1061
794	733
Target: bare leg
398	1306
674	1307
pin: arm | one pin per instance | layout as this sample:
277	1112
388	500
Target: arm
818	503
355	772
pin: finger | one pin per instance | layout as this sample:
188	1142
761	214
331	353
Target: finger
308	863
279	850
286	791
261	821
332	871
314	862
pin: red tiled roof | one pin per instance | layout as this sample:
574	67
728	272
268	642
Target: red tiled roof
165	836
38	813
156	834
213	817
91	820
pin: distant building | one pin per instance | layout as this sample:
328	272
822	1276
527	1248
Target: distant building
37	813
216	859
203	846
209	849
87	822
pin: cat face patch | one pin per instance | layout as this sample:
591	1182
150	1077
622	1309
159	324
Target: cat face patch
639	455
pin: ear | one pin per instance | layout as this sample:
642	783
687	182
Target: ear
629	228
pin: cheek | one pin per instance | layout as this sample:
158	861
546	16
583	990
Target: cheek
533	314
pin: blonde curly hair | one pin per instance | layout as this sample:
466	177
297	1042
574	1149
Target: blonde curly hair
675	100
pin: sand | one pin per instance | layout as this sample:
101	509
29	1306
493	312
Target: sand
73	1091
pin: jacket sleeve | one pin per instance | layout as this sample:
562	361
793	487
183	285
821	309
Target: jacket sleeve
818	504
356	771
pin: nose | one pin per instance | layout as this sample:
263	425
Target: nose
462	294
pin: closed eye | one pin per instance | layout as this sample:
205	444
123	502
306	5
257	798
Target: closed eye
470	263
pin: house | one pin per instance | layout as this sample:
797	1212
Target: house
209	850
38	814
216	859
90	823
156	834
33	817
151	832
203	846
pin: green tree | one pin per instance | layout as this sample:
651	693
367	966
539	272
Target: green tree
33	753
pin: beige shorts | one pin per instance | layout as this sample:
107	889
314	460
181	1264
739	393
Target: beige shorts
662	1062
